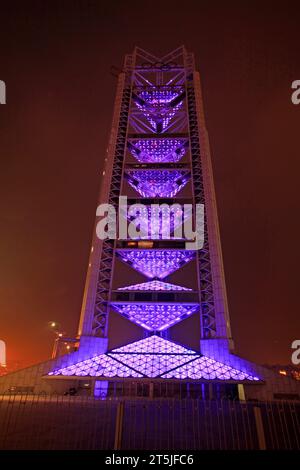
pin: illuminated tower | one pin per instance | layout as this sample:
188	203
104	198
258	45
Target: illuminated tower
153	283
158	154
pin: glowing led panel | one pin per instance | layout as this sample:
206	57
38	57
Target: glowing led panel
156	263
157	183
159	106
155	317
154	357
153	345
208	369
155	286
157	221
158	150
98	366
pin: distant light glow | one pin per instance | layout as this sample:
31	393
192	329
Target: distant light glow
154	357
158	150
157	183
155	286
153	345
155	317
156	263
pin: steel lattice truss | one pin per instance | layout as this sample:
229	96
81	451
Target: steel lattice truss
205	271
154	357
99	324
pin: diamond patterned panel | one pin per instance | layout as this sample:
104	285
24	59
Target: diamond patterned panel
157	107
157	183
154	357
155	317
158	150
155	286
156	263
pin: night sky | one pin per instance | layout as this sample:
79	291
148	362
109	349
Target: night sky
55	59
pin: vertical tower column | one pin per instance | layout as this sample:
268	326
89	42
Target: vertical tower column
216	337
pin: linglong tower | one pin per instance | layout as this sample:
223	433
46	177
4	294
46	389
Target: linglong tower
158	154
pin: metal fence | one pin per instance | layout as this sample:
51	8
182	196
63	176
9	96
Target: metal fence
82	422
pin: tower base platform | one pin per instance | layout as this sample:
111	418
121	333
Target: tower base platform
153	368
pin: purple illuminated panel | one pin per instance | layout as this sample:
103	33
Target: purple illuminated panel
158	150
157	183
208	369
151	365
159	106
154	357
157	221
98	366
155	317
153	345
156	263
155	286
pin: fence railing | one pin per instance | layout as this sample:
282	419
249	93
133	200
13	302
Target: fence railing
82	422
